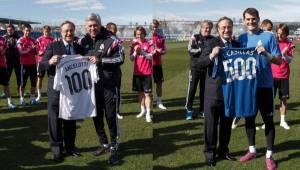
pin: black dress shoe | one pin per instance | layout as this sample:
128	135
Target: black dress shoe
211	162
57	158
74	153
227	157
113	158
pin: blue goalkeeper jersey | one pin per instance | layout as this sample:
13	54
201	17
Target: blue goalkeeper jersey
269	42
238	68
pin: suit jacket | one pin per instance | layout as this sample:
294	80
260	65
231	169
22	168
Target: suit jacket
56	48
213	86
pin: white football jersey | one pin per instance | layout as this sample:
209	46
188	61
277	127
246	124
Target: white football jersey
75	77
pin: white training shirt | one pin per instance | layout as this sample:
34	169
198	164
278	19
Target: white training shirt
75	77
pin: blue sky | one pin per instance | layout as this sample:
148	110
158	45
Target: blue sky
141	11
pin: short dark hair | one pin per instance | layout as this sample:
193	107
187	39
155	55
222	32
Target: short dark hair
251	11
67	22
46	27
224	18
284	28
26	25
108	25
140	28
11	26
266	21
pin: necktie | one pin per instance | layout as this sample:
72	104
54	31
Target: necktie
227	44
68	49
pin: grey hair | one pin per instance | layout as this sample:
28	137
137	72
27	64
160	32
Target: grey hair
94	17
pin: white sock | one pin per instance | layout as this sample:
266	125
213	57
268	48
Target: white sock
9	100
143	109
39	92
148	111
282	118
269	154
252	149
158	99
21	98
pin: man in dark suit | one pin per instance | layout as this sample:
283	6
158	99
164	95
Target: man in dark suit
213	102
51	58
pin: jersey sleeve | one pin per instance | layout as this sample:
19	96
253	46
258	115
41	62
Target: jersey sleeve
132	53
115	53
291	49
2	46
274	46
22	48
193	48
148	53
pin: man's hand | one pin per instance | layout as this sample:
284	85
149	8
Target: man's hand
260	50
94	59
54	59
137	49
214	53
284	51
158	50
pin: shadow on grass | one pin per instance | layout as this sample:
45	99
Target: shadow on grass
19	139
288	145
24	143
127	98
168	115
165	139
172	115
189	166
27	108
169	139
175	102
95	165
290	106
136	147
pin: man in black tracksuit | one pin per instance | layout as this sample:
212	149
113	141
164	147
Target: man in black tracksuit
197	74
101	43
12	54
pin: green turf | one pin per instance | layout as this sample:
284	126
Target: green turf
170	142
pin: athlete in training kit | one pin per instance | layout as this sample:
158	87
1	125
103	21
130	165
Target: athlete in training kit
266	25
281	72
4	77
101	43
159	46
141	53
266	44
112	27
197	74
12	54
216	143
27	49
42	43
